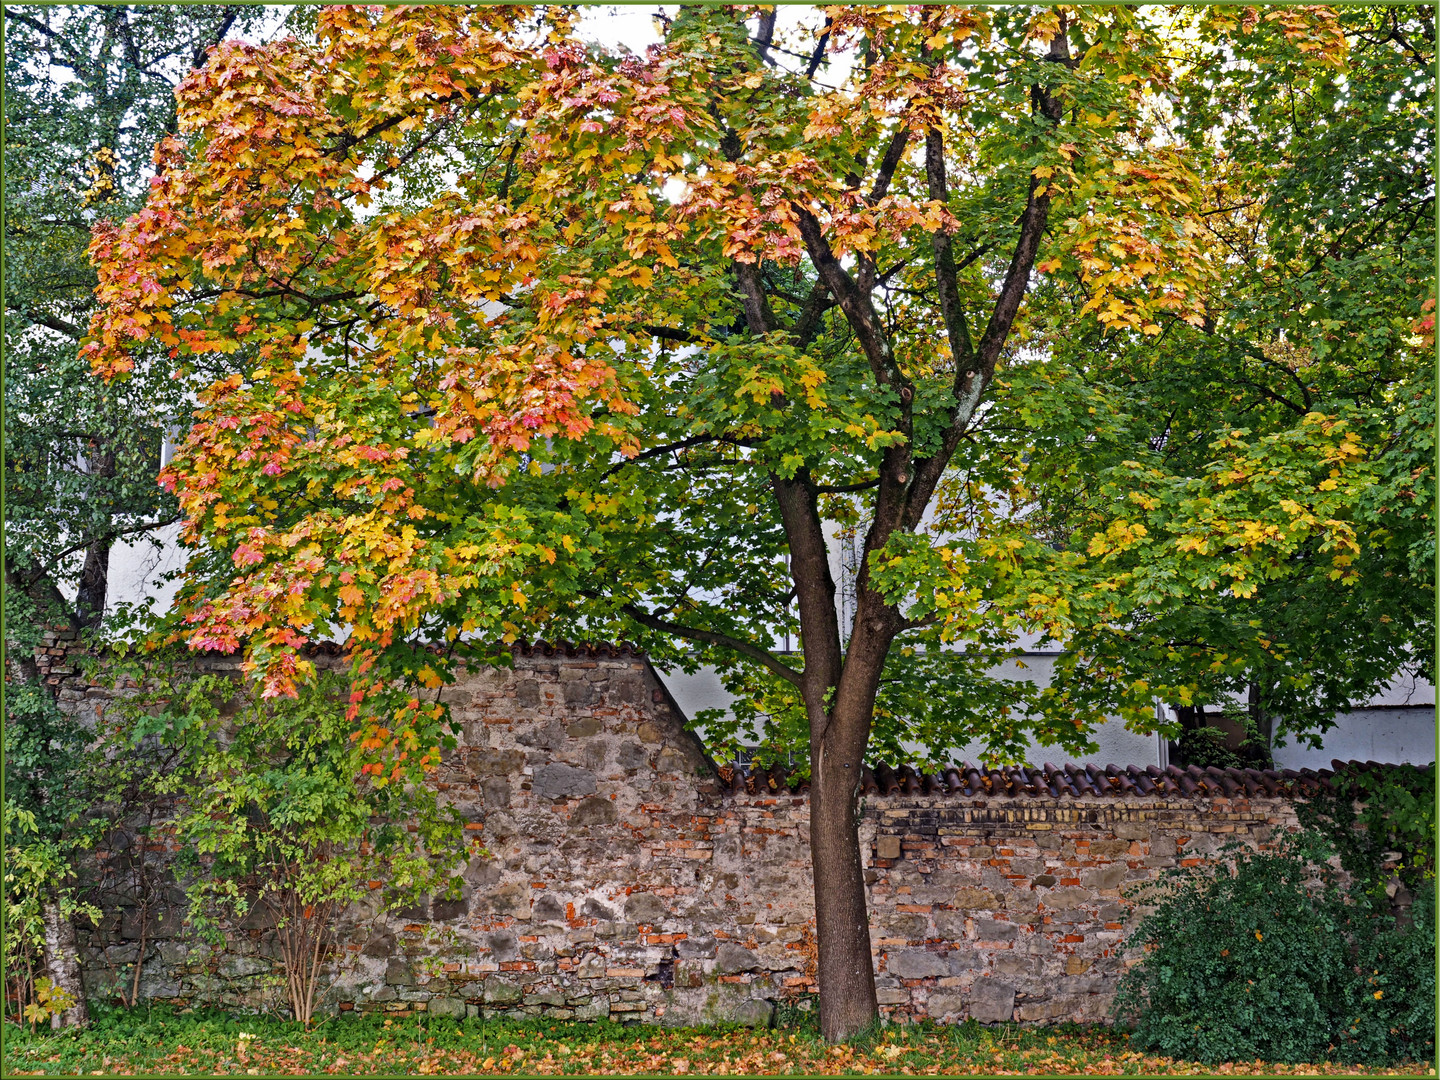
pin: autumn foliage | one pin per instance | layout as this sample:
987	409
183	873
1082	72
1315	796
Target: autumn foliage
498	334
397	256
410	257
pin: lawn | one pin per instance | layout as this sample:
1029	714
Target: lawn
122	1043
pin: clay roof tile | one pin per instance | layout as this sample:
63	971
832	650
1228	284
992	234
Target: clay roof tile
1072	781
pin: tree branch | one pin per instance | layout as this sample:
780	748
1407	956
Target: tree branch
198	56
765	35
106	538
425	140
814	589
758	315
818	56
972	379
859	311
711	637
60	326
855	302
843	489
889	163
813	310
669	448
957	330
665	333
132	51
920	624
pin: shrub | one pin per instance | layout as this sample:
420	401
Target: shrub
1205	746
48	774
1264	955
37	875
275	814
1391	1000
46	760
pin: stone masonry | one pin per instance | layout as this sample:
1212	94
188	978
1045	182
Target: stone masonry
629	878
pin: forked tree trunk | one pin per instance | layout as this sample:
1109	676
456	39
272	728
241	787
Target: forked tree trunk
839	683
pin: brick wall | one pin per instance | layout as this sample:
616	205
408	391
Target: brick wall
628	880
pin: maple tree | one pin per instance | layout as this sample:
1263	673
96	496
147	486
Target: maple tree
496	334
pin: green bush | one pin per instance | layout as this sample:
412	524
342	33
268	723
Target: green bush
37	873
1205	746
1263	955
276	815
48	786
1391	1001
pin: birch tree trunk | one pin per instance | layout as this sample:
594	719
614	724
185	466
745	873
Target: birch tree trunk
62	959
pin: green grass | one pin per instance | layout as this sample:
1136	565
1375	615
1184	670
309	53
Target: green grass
164	1042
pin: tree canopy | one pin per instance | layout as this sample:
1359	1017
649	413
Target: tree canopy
497	333
88	92
1302	407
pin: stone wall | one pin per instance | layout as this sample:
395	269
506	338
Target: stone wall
630	879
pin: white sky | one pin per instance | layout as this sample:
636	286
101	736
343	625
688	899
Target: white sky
628	25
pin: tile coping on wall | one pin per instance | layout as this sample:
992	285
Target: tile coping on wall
1071	781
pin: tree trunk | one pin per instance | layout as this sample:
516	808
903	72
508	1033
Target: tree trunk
94	583
842	924
845	971
63	962
95	575
140	956
1263	721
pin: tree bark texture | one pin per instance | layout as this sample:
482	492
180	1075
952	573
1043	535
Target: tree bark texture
845	971
94	583
62	960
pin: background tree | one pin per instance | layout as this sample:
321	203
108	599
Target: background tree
1307	392
500	334
88	90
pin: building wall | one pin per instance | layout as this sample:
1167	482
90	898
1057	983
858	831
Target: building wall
1386	733
1114	741
628	879
1396	725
